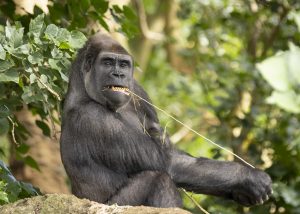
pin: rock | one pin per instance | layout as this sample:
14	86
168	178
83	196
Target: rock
65	204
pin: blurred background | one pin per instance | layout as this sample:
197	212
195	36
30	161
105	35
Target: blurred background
228	68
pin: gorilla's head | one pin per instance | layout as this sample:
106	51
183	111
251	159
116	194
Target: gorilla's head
107	72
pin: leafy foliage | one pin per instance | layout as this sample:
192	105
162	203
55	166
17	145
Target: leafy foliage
282	73
33	70
34	67
72	15
11	189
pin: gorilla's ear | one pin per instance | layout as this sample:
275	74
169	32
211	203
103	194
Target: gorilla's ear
89	58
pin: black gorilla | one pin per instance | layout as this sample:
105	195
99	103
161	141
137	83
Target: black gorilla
112	145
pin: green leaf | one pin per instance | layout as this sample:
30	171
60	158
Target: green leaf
14	35
5	65
63	35
56	53
32	78
30	94
293	64
44	127
274	70
84	5
63	76
23	49
290	196
35	58
287	100
77	39
23	148
13	186
2	53
10	76
54	64
128	12
103	23
28	160
4	126
100	6
36	25
64	46
3	194
51	32
117	9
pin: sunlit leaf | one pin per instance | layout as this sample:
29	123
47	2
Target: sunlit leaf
36	25
293	64
77	39
51	32
287	100
274	70
14	36
63	35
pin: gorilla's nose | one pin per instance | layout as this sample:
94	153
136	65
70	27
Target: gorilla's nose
118	74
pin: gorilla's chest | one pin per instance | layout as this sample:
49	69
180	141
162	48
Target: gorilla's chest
128	144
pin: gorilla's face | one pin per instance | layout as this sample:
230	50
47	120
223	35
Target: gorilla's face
110	79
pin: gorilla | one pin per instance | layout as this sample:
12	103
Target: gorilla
115	151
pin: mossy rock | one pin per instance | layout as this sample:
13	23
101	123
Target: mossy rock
65	204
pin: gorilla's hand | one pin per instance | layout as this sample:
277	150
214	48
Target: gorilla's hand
253	187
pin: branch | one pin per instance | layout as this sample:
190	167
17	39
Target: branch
13	130
194	201
143	23
270	40
46	86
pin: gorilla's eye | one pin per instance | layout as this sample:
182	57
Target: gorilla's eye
124	64
107	62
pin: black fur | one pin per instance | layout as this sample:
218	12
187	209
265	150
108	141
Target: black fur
113	147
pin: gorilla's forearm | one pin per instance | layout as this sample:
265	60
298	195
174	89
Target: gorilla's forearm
231	180
202	175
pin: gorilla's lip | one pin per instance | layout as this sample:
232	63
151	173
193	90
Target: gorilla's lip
117	88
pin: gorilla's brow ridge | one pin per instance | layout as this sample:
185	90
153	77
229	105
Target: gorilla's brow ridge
115	55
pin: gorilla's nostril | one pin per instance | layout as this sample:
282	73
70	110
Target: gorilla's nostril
119	75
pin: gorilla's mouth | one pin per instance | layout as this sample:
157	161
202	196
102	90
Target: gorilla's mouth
117	88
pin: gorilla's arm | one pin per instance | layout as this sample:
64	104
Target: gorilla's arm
230	180
220	178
